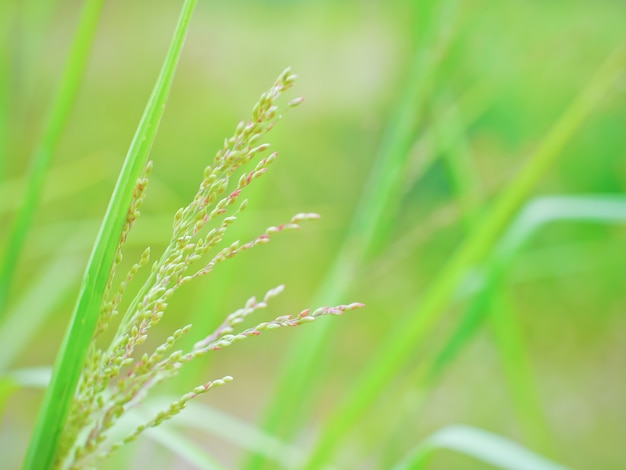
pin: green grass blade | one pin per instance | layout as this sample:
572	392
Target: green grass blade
11	382
184	447
7	388
519	375
465	183
487	447
367	230
399	345
32	377
53	129
7	13
169	435
456	154
64	181
487	303
491	302
534	216
211	422
57	399
30	313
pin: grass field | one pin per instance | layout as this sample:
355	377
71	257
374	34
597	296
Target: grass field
468	161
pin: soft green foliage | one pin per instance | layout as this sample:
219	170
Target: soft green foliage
468	158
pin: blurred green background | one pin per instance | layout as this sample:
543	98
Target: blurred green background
508	70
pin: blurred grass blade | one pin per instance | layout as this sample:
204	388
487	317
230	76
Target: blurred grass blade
488	303
600	208
69	362
7	388
184	447
63	181
30	313
492	302
53	129
366	231
166	434
11	382
31	377
7	14
490	448
520	379
455	150
398	347
535	215
243	435
212	422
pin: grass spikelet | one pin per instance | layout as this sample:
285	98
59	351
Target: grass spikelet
115	377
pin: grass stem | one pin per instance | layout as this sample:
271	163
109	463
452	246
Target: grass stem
69	362
53	130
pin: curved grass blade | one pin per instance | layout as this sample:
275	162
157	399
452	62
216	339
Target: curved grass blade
399	345
482	445
41	452
537	214
508	338
490	304
205	422
520	376
53	129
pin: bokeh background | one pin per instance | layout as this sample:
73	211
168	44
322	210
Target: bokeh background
508	70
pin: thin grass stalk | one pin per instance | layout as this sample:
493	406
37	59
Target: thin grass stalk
509	342
204	422
69	362
18	25
7	11
299	376
491	304
179	444
459	161
398	346
55	124
34	24
445	139
519	375
63	181
534	216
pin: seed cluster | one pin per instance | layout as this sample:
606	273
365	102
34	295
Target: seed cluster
115	378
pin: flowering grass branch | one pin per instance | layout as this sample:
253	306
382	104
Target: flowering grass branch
115	377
